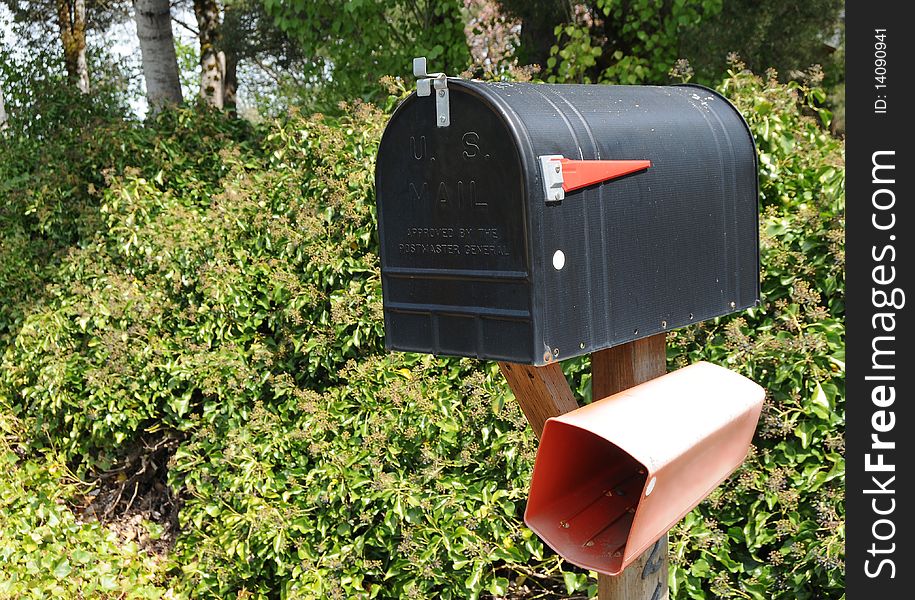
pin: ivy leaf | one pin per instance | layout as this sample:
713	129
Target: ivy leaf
571	581
62	568
498	586
820	398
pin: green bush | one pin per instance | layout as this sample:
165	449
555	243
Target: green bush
221	287
45	550
400	482
91	361
50	156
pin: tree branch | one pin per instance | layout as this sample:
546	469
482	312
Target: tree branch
417	12
185	26
273	74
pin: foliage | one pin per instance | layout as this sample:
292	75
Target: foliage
537	20
492	38
400	482
636	42
624	42
218	282
50	160
38	101
351	43
44	548
749	27
188	55
268	64
79	353
40	15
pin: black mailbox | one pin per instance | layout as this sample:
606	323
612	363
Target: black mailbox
502	239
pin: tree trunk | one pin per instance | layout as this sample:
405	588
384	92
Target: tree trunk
229	42
2	111
230	89
212	61
71	17
157	47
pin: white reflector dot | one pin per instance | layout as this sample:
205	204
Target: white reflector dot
650	487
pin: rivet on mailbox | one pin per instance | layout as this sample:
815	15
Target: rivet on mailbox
530	223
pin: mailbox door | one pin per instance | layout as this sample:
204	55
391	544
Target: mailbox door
452	222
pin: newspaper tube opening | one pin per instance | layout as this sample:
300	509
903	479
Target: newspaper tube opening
584	496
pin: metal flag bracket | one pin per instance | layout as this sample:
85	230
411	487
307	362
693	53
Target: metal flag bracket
561	175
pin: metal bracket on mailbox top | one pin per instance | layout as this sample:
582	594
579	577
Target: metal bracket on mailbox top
551	169
424	85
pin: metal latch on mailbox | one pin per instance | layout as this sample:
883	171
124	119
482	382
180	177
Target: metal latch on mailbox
561	175
425	83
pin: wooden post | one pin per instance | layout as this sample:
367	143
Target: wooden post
544	392
622	367
614	370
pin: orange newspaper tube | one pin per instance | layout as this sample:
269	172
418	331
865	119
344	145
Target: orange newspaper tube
612	477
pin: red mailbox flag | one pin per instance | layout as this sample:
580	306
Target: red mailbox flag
582	173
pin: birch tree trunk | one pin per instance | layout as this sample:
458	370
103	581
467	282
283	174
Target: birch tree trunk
157	47
212	61
71	18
